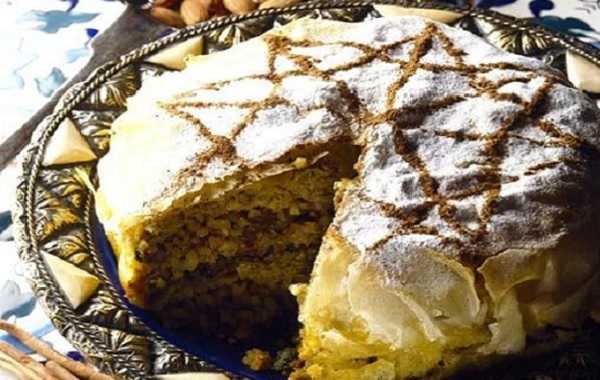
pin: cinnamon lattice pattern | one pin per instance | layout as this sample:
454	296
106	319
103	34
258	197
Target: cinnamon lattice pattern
352	111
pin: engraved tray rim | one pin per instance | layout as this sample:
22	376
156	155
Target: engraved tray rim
95	341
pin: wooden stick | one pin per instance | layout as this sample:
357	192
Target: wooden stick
26	361
59	371
11	367
8	367
81	370
18	369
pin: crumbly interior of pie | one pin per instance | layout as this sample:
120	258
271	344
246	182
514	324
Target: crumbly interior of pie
224	267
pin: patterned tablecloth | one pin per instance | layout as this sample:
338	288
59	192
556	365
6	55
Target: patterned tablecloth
45	42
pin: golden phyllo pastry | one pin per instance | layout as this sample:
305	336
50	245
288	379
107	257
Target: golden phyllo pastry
449	188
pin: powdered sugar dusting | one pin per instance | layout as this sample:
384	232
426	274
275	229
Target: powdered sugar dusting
328	59
219	120
419	91
284	65
309	92
467	150
238	91
370	82
287	128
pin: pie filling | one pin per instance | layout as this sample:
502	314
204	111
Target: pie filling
224	267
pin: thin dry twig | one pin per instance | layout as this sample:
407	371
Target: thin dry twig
19	370
59	371
81	370
26	361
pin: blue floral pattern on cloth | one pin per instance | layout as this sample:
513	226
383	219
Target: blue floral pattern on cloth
44	43
47	42
580	18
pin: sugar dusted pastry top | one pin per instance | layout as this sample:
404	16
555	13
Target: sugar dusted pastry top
468	152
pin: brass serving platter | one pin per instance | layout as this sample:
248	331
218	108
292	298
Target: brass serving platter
55	215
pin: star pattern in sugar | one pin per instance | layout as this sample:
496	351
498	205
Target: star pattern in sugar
410	55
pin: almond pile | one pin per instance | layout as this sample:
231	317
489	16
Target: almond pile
178	13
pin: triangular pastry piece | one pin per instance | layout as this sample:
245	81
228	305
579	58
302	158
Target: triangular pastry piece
77	284
67	146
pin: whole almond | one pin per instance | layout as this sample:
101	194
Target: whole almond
193	11
277	3
211	6
240	7
217	8
165	3
167	16
205	3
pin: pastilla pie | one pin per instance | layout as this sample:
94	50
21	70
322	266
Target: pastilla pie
447	190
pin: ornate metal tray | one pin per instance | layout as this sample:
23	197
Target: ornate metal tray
55	215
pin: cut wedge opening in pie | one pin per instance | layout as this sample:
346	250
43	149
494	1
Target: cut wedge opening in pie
225	266
429	200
